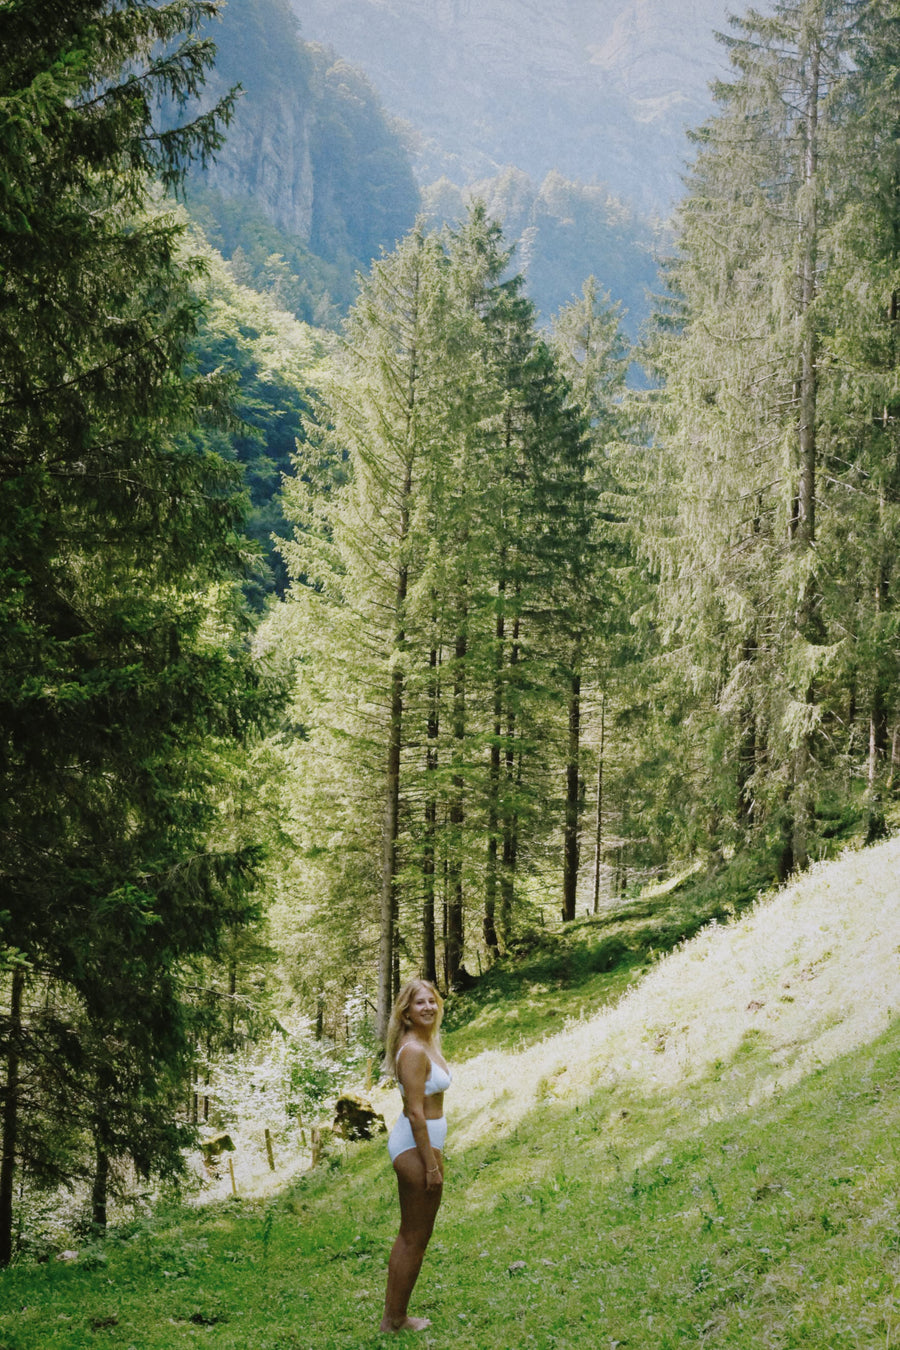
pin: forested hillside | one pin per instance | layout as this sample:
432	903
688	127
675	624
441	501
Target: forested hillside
563	232
313	180
275	363
330	659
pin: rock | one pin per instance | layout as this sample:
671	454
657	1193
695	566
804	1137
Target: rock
354	1118
309	146
216	1146
267	158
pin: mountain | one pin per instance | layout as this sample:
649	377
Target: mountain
582	105
599	90
314	179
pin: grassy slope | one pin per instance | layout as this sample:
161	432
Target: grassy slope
710	1161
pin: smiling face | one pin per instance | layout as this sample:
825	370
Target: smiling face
422	1010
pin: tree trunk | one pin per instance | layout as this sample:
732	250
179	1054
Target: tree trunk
11	1115
390	830
445	920
388	912
805	536
573	791
801	808
490	895
395	969
100	1189
747	750
878	733
429	950
622	855
510	816
806	494
232	1002
598	832
429	965
895	759
455	901
878	712
195	1095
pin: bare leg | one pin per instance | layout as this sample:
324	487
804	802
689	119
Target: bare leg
418	1209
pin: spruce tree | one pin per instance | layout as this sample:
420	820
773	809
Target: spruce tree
531	521
860	310
744	414
592	355
385	409
124	654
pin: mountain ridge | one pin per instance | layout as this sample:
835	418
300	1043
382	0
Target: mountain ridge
601	90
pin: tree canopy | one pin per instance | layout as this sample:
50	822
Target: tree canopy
125	662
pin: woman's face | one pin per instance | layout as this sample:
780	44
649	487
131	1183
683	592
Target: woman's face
423	1009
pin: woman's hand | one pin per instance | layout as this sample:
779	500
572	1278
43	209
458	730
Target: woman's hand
413	1074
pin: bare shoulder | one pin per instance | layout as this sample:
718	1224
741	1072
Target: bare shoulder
419	1053
412	1058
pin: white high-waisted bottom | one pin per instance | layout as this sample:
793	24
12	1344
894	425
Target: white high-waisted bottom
400	1139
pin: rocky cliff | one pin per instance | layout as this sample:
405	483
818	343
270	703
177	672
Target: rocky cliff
597	89
310	145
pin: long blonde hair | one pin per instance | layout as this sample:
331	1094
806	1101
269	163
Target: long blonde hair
400	1024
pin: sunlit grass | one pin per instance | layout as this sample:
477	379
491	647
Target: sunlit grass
552	975
712	1161
811	972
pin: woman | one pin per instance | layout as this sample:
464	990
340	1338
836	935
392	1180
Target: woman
416	1142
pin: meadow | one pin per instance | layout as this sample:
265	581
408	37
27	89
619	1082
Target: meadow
694	1148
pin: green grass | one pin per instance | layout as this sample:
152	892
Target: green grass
778	1227
550	976
694	1167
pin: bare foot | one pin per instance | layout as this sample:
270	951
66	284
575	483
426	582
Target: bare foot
408	1324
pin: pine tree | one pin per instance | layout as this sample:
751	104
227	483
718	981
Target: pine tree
386	420
432	553
124	653
530	522
744	411
859	334
592	354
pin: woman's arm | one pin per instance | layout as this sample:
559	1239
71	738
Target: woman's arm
412	1070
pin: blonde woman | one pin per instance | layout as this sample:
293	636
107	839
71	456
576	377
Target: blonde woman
413	1054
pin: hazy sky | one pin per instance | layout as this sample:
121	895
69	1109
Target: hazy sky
600	89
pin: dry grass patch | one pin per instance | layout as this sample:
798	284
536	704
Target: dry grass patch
747	1008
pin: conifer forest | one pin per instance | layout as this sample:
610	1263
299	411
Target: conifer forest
362	618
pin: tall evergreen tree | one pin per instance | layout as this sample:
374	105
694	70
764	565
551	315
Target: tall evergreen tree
438	562
591	350
124	654
744	413
385	410
859	305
